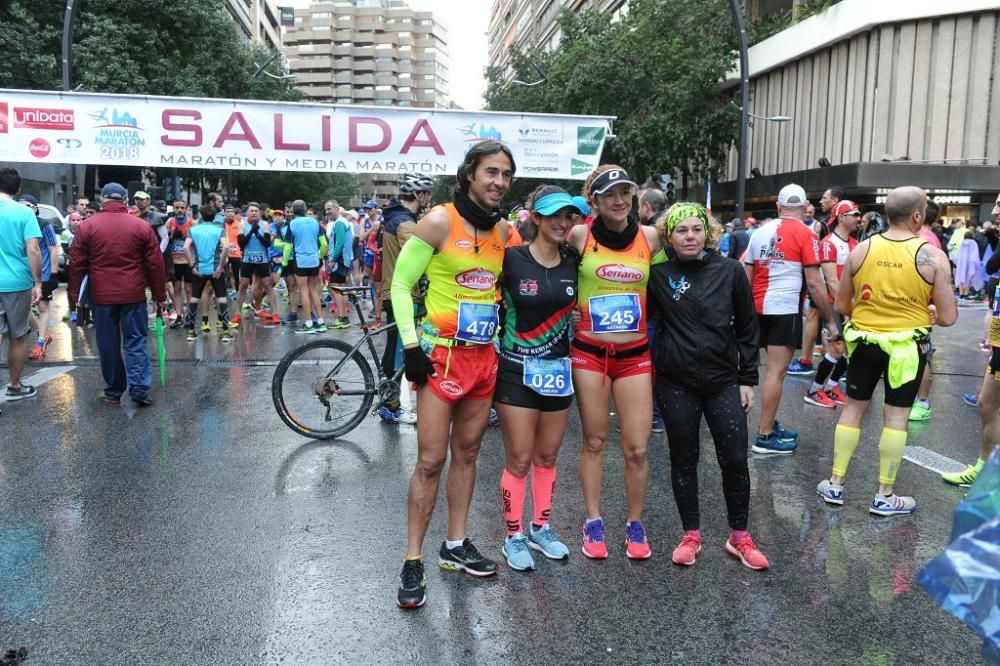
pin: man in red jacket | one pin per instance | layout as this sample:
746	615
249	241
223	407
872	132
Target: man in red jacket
119	253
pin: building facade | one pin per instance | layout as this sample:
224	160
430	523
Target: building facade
532	24
881	94
258	20
381	53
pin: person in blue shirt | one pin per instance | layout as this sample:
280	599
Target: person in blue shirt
206	250
20	279
255	241
50	280
308	244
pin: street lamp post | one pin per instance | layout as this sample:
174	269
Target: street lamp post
741	157
67	77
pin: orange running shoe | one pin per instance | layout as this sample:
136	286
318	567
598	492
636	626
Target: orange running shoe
236	320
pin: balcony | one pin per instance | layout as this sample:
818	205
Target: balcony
364	80
306	78
363	52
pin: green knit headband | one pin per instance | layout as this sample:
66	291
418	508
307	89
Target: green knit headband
682	211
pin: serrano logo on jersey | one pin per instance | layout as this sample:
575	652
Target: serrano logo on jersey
620	273
476	278
866	292
464	244
528	288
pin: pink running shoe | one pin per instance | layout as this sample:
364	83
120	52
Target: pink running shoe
686	553
594	546
746	550
636	546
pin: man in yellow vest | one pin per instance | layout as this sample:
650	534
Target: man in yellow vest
894	287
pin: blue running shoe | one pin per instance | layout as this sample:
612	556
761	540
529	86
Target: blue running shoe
798	368
657	425
546	542
290	318
784	433
773	444
830	492
517	553
388	415
971	398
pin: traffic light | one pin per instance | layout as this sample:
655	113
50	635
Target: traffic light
669	189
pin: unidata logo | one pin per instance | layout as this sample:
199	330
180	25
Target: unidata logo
39	148
479	279
4	123
43	119
620	273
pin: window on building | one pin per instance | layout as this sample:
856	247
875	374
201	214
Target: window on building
344	100
403	75
404	102
321	28
384	47
405	33
321	15
405	48
404	89
383	88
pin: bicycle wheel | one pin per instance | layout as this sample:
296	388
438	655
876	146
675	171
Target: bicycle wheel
323	389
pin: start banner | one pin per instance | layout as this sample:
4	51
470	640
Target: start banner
134	130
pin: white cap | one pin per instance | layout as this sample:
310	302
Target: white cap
792	196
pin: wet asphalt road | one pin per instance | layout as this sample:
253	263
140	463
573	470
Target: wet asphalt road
203	531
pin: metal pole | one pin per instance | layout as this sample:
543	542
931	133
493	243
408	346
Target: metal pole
67	76
741	159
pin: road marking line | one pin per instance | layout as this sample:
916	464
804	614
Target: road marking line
43	376
932	460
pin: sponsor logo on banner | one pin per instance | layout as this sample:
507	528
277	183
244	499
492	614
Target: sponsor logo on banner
539	135
476	132
4	123
39	148
69	144
620	273
588	140
540	169
116	119
538	153
476	278
43	119
578	167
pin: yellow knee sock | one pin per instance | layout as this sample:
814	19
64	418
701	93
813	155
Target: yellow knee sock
890	454
845	441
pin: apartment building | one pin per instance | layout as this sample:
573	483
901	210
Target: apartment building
377	52
258	20
531	24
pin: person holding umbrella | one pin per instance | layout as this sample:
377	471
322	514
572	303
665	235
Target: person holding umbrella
119	253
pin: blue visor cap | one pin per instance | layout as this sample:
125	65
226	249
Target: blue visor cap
581	203
551	204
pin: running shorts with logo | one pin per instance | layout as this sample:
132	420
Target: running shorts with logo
780	330
613	361
464	372
869	364
218	285
50	286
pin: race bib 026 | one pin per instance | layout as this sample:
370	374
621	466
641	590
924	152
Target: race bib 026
548	376
615	313
477	322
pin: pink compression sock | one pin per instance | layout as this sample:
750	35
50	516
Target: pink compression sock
512	500
543	484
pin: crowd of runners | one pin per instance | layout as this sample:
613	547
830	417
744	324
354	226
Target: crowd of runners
654	312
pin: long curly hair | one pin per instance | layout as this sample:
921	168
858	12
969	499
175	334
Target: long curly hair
712	236
594	174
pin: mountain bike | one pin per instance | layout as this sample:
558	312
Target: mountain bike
325	388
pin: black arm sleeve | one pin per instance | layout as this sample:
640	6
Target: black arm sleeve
242	240
993	265
746	327
266	239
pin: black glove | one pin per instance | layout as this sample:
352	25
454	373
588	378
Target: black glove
417	366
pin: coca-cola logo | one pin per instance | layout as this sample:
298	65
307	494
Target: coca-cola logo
477	278
43	119
39	148
620	273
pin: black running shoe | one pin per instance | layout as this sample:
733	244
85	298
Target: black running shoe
412	585
466	558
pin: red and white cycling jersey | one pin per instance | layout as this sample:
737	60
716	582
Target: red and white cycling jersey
779	251
834	250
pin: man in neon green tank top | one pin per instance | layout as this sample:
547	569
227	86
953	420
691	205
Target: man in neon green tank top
894	286
459	246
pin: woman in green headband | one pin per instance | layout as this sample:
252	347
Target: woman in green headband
705	355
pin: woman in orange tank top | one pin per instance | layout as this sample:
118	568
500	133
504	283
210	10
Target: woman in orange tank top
610	352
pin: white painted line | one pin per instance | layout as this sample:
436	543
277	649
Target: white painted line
932	460
41	377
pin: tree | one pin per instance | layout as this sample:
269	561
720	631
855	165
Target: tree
658	70
185	47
